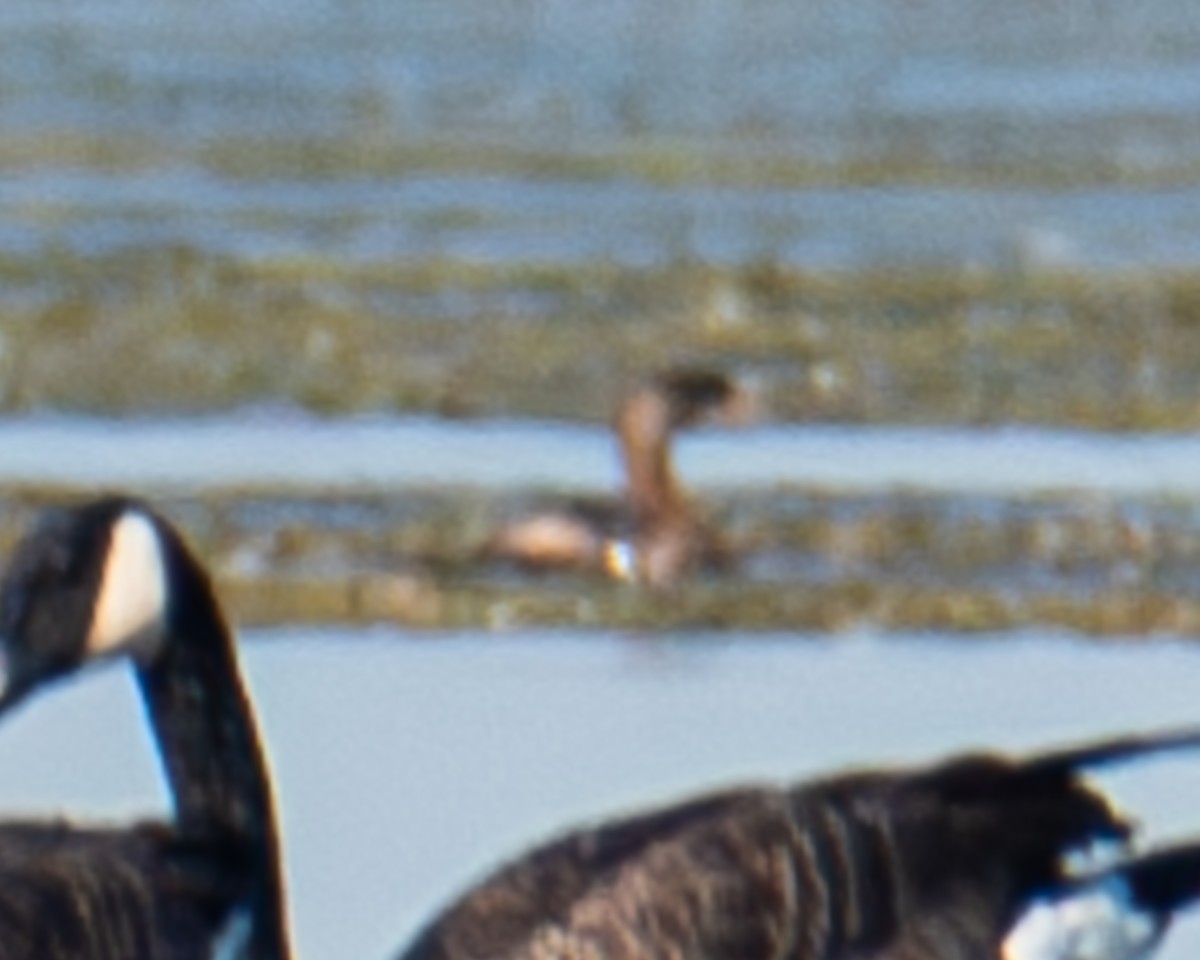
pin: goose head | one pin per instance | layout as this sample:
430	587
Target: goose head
89	583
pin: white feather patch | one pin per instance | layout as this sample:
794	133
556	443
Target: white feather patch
620	560
1098	922
131	605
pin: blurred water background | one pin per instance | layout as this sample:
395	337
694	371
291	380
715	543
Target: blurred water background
344	285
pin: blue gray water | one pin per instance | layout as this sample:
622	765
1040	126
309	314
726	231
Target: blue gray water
1041	132
408	764
300	453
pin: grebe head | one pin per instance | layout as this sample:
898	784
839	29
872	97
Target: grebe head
677	398
89	583
694	395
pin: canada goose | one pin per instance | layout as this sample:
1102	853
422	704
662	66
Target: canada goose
113	578
655	536
964	860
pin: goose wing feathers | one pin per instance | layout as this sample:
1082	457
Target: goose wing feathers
547	884
930	864
145	892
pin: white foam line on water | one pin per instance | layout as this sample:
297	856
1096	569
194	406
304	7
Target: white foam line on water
388	452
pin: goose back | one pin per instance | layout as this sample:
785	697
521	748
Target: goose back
931	864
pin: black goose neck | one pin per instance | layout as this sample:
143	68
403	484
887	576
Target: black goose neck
209	744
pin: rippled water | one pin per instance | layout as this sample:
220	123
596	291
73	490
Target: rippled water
767	69
1033	132
406	765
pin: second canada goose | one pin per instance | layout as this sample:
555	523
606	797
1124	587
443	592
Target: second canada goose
963	860
112	578
655	535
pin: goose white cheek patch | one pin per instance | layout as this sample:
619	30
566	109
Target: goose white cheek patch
131	606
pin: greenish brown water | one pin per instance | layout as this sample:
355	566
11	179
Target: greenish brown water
942	214
806	561
951	214
176	331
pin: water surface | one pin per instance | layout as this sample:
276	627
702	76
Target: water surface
407	764
539	130
363	453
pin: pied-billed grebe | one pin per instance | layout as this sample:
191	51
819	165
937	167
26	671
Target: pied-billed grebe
968	858
114	579
655	535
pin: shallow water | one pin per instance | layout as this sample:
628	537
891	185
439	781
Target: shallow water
495	220
365	453
637	134
407	764
382	519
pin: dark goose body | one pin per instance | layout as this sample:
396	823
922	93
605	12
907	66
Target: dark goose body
114	894
113	579
941	863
